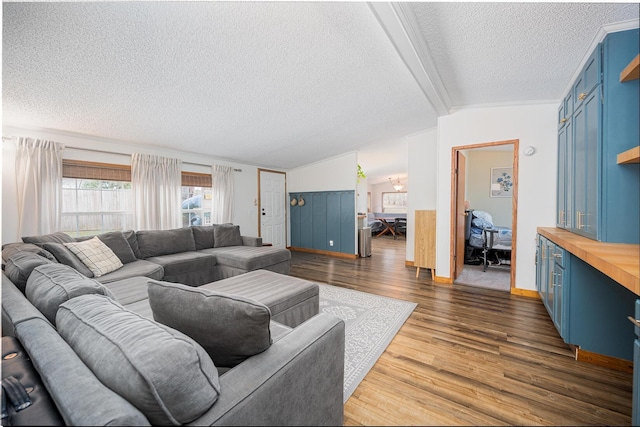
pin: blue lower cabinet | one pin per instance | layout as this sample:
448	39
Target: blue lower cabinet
325	221
598	310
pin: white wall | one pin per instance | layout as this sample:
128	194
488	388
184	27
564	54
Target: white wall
533	125
335	174
422	171
80	147
478	177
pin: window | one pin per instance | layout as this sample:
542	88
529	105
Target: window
395	202
93	206
96	198
196	199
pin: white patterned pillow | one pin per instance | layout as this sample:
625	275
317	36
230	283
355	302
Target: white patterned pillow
96	256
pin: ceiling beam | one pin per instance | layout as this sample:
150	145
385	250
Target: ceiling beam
400	24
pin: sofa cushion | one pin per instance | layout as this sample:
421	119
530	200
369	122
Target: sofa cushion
133	269
64	256
58	237
230	328
226	235
20	265
116	241
203	236
164	373
129	291
163	242
249	258
9	249
50	285
184	262
96	255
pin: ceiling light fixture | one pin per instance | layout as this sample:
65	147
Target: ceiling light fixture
397	185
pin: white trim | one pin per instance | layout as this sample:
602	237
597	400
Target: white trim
598	38
399	23
506	104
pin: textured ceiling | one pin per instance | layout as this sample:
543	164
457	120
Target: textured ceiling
280	84
490	53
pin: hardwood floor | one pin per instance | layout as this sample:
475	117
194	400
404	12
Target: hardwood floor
468	355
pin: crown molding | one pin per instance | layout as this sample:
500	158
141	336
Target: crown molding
507	104
400	25
598	38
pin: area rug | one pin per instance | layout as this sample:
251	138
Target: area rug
371	322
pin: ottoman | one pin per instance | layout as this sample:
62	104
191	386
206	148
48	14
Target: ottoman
291	300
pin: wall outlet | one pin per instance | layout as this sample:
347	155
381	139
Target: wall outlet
330	242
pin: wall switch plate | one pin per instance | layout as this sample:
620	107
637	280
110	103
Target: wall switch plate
330	242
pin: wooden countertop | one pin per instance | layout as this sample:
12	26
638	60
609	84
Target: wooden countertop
620	261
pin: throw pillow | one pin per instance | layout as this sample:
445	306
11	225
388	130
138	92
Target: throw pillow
65	256
229	327
164	242
9	249
203	236
58	237
50	285
162	372
20	265
96	255
226	235
117	242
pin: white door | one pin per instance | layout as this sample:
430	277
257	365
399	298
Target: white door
272	208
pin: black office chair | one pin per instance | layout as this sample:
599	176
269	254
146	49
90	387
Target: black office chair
399	227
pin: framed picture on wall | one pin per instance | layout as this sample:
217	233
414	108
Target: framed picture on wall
502	182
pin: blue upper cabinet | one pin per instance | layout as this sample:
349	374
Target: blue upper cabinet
620	132
588	79
597	198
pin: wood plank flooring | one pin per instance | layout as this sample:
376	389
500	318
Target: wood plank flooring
467	355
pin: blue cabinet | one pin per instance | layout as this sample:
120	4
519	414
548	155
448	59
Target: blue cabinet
564	203
552	282
325	221
588	308
598	119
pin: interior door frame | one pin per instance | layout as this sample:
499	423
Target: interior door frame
286	212
514	203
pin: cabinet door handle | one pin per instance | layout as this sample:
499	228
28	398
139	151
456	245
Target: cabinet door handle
564	120
635	322
582	96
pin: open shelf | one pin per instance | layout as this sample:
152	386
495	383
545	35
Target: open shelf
629	156
631	71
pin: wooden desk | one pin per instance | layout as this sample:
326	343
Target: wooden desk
619	261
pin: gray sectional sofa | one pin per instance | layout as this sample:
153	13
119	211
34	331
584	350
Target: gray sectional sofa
238	344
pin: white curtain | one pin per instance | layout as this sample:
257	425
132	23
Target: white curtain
156	183
222	194
39	185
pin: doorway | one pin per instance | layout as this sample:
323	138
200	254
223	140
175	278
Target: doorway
272	208
458	214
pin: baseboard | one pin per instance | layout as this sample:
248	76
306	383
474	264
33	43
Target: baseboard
321	252
440	279
525	293
604	361
408	263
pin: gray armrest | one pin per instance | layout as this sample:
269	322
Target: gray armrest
299	380
251	241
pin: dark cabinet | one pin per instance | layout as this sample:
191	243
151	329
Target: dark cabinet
552	282
597	120
323	221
